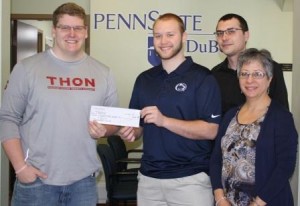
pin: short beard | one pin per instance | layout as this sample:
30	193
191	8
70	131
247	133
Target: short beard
177	51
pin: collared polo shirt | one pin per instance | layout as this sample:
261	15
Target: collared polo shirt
188	93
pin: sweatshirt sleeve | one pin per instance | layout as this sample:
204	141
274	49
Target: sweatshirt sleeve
13	103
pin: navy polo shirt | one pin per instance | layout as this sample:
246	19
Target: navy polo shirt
188	93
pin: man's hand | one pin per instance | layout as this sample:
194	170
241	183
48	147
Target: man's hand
152	114
128	134
97	130
29	174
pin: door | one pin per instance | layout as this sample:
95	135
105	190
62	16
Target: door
26	41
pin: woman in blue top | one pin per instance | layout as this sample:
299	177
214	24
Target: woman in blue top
255	150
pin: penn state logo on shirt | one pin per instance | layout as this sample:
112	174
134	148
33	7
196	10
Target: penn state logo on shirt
180	87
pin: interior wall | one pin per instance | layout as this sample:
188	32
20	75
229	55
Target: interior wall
43	6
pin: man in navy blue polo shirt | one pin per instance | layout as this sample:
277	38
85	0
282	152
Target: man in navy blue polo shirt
180	112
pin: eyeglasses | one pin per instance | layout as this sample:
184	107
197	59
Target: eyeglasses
228	32
66	28
254	75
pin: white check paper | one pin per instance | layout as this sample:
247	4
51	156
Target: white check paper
115	116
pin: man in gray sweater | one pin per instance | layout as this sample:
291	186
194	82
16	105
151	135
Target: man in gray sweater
44	117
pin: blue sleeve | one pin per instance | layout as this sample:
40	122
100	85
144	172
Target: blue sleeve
276	155
209	100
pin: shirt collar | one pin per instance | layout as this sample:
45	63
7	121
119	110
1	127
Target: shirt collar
181	69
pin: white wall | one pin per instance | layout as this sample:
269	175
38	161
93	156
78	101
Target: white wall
42	6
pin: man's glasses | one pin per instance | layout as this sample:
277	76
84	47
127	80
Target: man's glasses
254	75
66	28
228	32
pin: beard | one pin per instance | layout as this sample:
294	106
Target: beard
169	56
